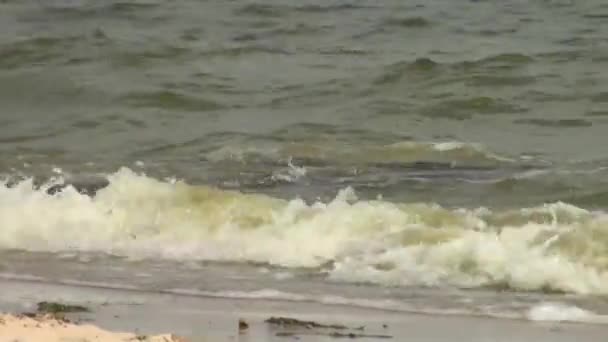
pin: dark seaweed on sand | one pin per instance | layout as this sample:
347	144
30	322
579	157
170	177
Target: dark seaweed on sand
334	334
54	308
285	322
292	322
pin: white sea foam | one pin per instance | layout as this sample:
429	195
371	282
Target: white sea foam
556	247
559	312
292	174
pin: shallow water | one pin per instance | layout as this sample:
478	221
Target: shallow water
407	146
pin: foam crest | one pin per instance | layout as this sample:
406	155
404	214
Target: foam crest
554	247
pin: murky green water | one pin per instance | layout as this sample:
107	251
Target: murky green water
225	93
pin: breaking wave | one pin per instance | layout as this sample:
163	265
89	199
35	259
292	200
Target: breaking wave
553	247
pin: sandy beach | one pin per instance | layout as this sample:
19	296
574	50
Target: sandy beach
120	315
48	328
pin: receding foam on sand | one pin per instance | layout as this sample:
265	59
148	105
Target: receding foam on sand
46	328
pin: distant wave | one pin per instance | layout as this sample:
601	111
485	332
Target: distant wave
455	152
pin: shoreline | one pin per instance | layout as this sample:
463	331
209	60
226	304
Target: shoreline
218	319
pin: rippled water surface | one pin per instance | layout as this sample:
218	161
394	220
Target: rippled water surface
225	92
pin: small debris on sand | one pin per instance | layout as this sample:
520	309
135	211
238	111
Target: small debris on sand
243	325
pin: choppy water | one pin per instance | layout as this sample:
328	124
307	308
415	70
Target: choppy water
311	148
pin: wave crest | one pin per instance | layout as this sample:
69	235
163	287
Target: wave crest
555	247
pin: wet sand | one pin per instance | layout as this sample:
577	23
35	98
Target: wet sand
217	319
